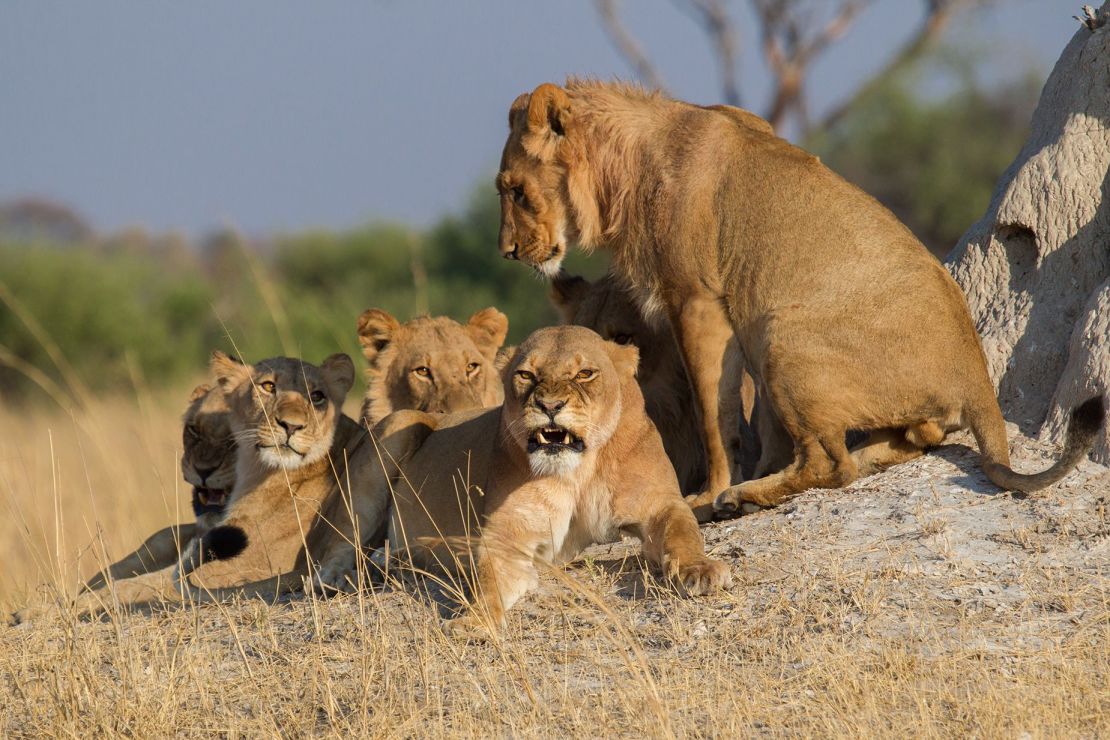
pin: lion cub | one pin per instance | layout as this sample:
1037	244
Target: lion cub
569	459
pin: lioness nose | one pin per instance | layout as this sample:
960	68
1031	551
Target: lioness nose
550	407
203	473
290	427
511	254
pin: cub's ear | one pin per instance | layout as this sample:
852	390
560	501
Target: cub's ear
228	372
376	329
199	392
487	328
546	121
339	376
504	358
567	294
625	358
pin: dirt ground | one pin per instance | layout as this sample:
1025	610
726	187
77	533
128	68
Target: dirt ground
921	602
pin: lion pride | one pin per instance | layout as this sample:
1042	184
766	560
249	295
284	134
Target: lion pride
843	316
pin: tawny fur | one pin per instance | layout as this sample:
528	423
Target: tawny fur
844	318
430	363
474	478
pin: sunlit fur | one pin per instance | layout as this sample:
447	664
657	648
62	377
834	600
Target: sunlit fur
430	363
285	409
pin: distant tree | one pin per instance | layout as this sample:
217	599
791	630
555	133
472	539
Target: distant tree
933	161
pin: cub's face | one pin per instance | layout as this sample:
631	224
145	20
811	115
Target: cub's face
563	396
431	364
535	210
286	409
208	458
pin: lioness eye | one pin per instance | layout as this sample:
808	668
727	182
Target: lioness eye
422	371
623	339
585	374
267	385
518	195
318	397
525	375
192	431
472	367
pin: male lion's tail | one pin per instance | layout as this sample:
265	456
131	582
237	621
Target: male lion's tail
990	432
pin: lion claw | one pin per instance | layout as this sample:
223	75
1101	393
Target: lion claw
703	576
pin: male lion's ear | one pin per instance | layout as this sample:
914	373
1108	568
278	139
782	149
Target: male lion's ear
199	392
567	294
488	328
548	116
228	372
339	375
518	110
625	358
375	331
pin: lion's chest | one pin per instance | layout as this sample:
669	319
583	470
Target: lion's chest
591	522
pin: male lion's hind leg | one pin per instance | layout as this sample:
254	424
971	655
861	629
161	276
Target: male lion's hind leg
821	461
884	448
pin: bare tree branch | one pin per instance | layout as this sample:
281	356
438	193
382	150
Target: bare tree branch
627	45
723	35
790	45
938	13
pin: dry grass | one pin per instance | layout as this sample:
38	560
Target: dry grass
836	626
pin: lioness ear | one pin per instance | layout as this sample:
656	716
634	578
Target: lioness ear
339	375
228	372
625	358
488	328
567	294
375	331
199	392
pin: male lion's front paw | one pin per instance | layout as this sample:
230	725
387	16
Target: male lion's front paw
701	576
702	504
468	627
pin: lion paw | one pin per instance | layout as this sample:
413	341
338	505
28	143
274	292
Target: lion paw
702	505
468	627
339	576
702	576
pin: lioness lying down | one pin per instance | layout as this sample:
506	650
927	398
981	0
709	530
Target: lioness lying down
568	460
208	465
427	363
844	318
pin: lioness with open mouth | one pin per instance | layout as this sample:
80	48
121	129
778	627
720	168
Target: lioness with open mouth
569	459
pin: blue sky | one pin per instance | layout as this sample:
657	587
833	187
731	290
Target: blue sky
275	115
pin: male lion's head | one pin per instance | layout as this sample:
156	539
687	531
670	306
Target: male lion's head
563	396
208	457
430	364
285	408
536	216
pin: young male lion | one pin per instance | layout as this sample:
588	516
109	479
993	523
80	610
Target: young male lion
843	316
569	459
430	363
